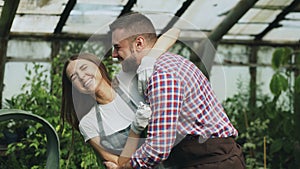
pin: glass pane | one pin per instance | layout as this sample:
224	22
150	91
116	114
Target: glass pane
265	54
206	15
14	77
233	76
91	17
29	49
290	24
283	34
85	24
163	7
263	78
34	23
259	16
273	3
247	29
232	53
293	15
238	37
41	7
104	2
159	20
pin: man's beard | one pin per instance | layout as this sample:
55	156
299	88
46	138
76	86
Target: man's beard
130	63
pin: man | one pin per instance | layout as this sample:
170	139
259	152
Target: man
188	127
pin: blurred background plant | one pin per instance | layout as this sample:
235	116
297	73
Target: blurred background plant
274	117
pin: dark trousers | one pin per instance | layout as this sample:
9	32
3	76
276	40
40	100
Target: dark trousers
214	153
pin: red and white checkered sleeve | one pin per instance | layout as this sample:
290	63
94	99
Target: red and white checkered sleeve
165	97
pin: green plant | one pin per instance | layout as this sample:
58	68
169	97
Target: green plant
43	98
272	118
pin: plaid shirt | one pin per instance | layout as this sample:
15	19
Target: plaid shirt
182	101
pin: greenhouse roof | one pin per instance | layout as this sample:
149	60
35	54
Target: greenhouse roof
232	21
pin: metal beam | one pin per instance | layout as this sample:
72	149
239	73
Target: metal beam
7	16
64	16
84	37
260	43
178	14
231	19
51	37
253	78
55	44
127	8
3	49
280	17
206	51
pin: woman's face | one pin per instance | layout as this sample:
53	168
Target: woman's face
84	75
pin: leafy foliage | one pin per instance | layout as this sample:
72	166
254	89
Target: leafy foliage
281	57
28	149
266	120
272	118
278	84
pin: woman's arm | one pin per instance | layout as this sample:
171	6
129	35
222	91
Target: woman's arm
164	42
138	125
129	148
94	142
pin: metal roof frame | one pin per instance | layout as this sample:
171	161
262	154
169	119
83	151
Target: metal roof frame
6	20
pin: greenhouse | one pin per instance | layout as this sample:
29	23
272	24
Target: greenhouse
249	50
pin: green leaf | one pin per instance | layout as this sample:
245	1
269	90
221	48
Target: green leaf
34	144
287	54
297	84
281	56
287	127
277	56
297	60
278	84
288	147
276	146
270	107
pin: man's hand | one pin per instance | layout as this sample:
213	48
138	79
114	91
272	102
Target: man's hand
144	71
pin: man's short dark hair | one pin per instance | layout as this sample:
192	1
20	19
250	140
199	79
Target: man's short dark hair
135	24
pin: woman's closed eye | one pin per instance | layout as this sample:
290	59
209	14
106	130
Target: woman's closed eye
73	77
83	67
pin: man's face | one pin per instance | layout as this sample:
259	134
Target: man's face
124	50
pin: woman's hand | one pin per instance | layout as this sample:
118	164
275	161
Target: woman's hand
111	165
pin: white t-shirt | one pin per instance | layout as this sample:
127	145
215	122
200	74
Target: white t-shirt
116	116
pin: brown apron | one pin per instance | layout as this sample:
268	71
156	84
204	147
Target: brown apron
214	153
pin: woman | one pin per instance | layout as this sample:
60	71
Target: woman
92	106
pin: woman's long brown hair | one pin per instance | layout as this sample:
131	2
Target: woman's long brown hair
71	112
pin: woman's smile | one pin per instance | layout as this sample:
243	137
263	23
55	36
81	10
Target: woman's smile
88	83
